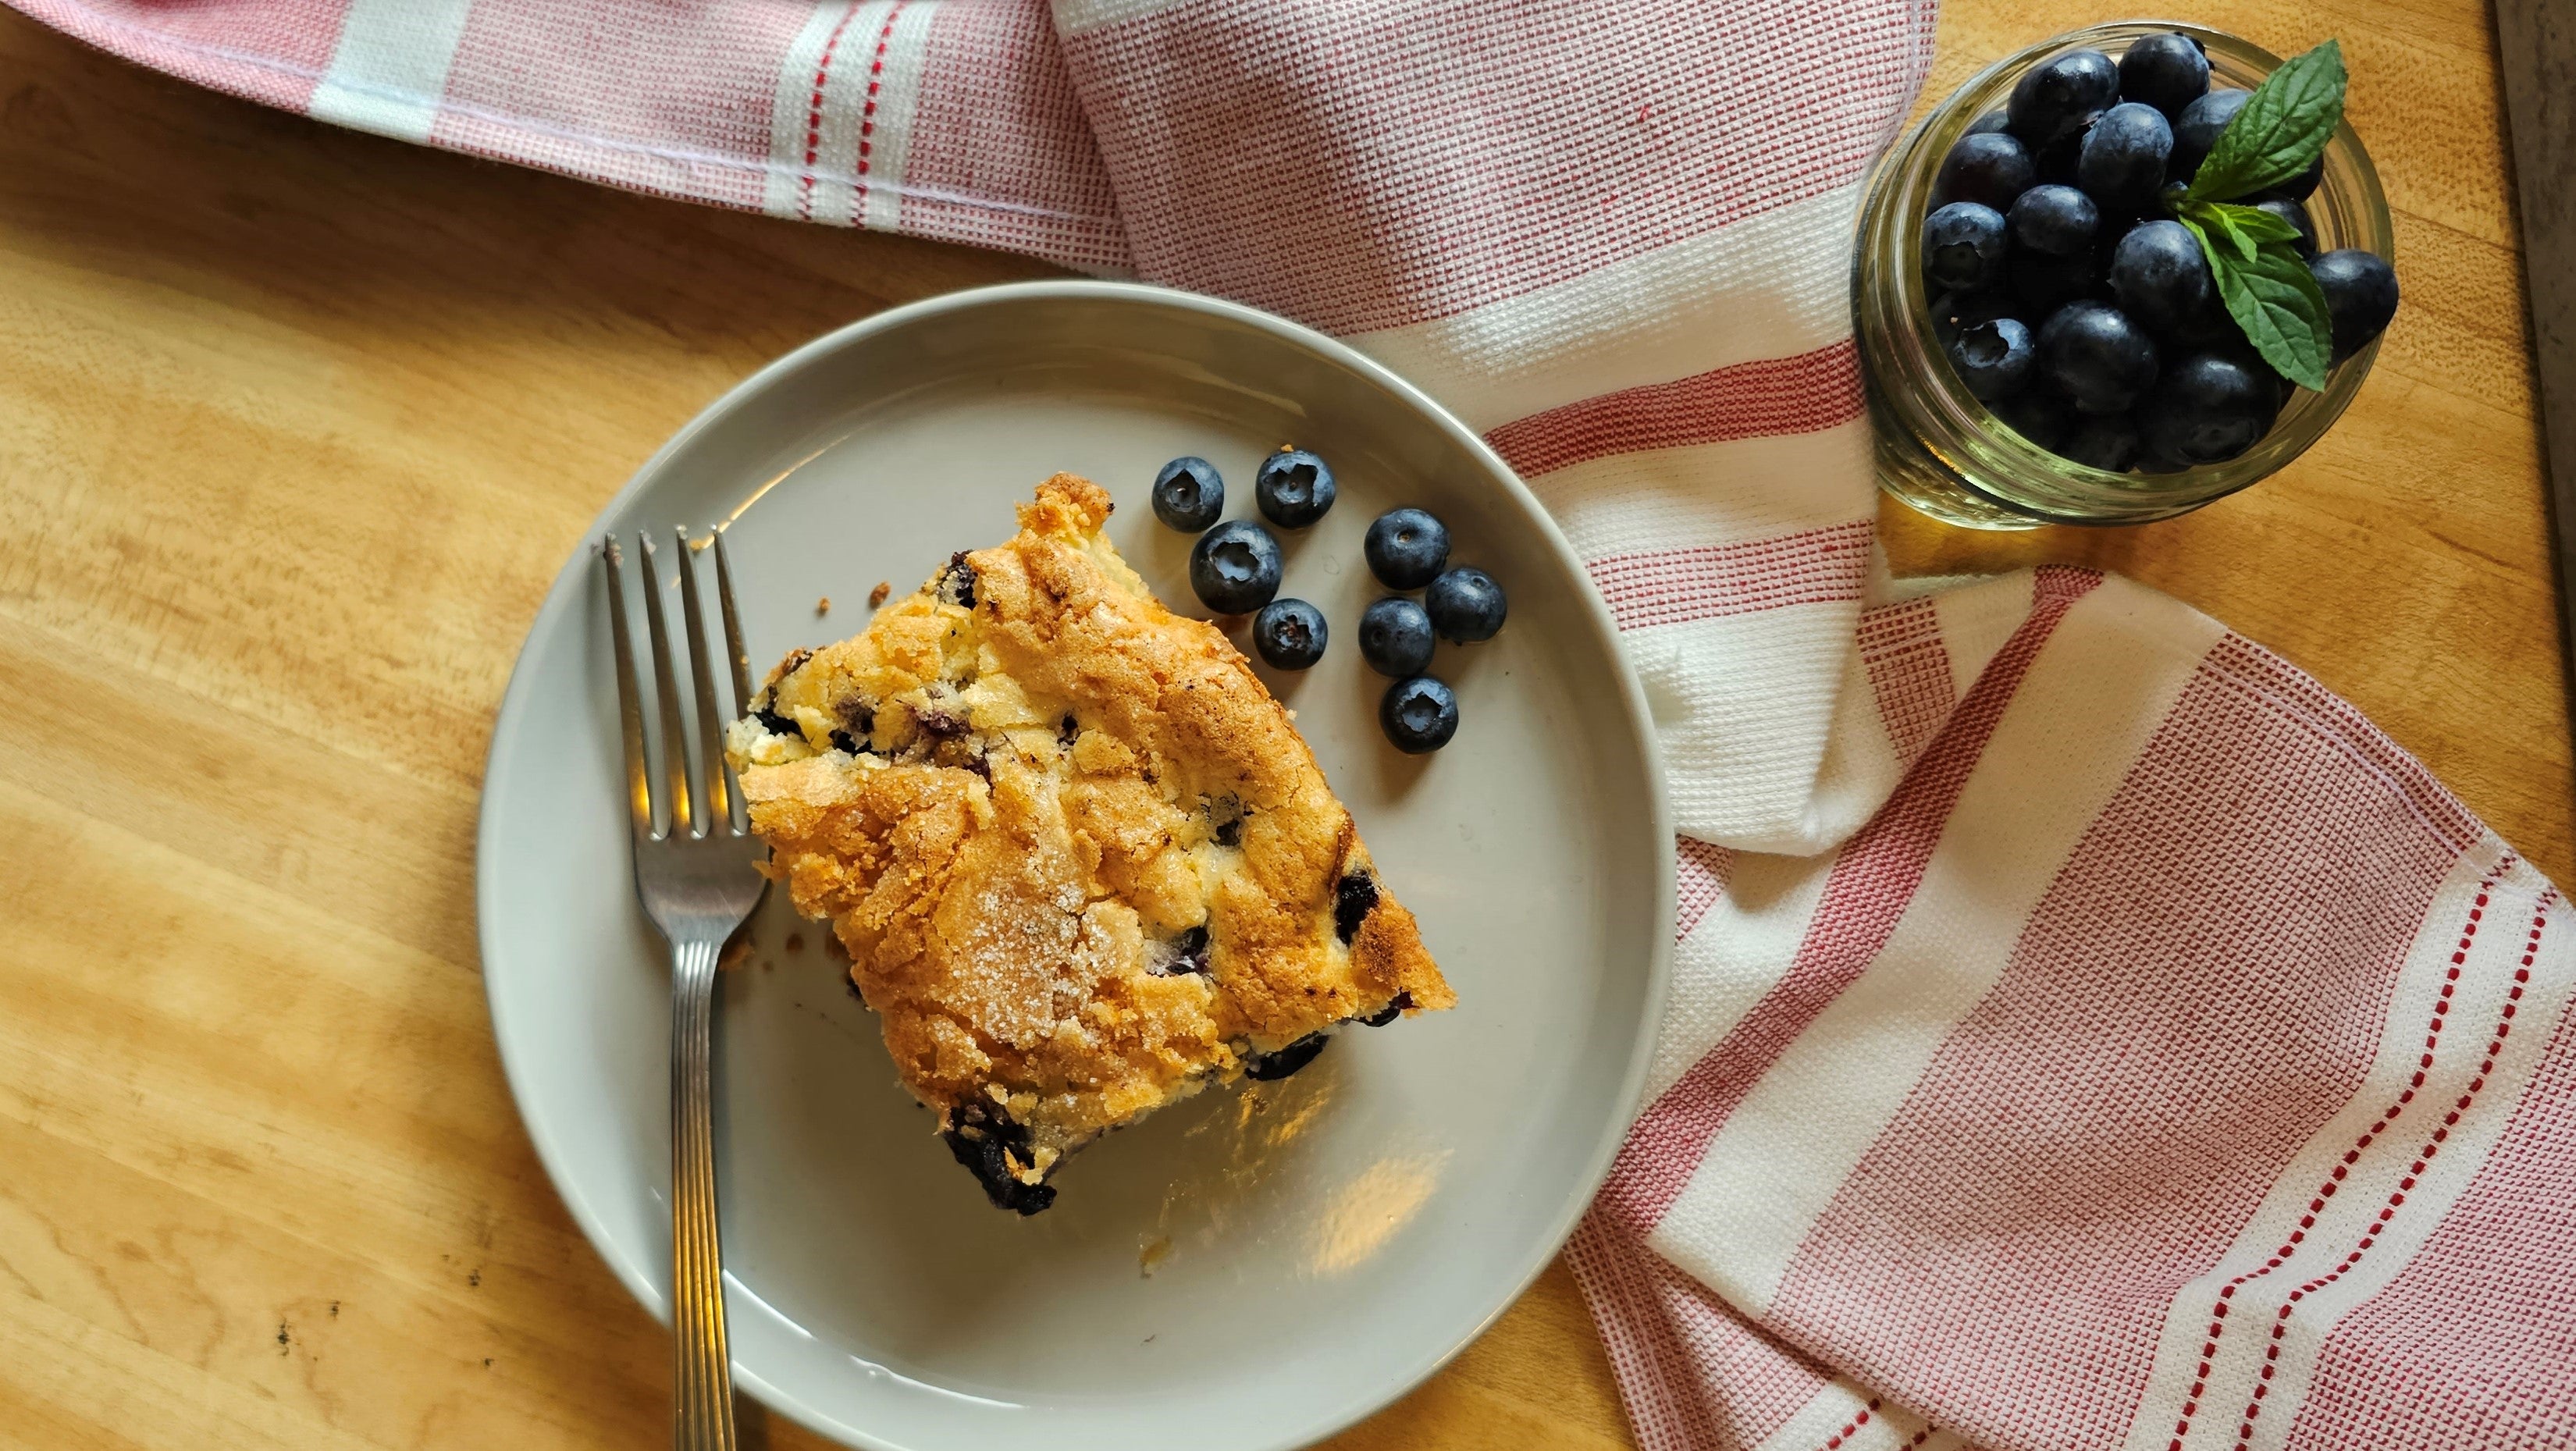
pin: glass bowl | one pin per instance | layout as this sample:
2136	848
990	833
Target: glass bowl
1939	448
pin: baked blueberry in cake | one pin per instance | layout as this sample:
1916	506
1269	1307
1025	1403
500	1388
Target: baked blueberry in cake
1082	861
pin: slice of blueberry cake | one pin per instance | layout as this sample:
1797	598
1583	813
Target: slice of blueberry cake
1082	862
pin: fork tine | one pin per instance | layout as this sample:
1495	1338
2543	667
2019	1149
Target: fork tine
734	652
718	802
675	741
630	708
740	661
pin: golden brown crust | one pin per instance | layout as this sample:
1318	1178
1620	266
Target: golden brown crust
1020	794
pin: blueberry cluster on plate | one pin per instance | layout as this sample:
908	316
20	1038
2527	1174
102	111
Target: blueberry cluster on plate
2128	276
1236	566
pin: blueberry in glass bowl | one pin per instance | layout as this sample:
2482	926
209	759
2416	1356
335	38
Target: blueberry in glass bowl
1963	246
2168	72
2172	405
2121	163
2055	219
1989	168
2197	124
1994	357
2160	278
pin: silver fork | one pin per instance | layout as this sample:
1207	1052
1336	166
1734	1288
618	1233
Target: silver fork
693	871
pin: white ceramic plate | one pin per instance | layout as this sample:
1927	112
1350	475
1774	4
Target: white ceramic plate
1317	1246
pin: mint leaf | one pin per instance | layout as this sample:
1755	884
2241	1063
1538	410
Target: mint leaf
2282	127
2274	298
2212	227
2277	302
2253	223
2241	228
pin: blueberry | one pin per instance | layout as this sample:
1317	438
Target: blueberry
2039	416
1225	815
1290	634
1294	488
2106	248
2056	161
2294	212
2057	220
1465	606
2123	162
1189	954
1406	548
1963	246
2300	187
2361	296
2096	356
1189	494
2264	373
1986	167
2061	94
2271	390
2161	276
1418	715
1393	1010
1267	1066
1395	637
2197	129
1955	310
2104	443
1988	124
1354	898
2205	409
858	719
1234	568
1994	358
956	582
993	1146
2042	284
2168	72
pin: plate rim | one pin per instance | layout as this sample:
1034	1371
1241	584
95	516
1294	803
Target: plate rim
560	598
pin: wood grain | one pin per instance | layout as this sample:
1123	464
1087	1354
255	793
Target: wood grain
295	427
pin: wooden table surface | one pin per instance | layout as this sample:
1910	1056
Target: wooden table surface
296	425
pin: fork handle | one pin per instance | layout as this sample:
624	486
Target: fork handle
701	1365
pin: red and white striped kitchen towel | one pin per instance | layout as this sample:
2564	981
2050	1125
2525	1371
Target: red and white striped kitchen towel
2088	1032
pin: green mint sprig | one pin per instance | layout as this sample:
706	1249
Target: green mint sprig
2282	127
2276	135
